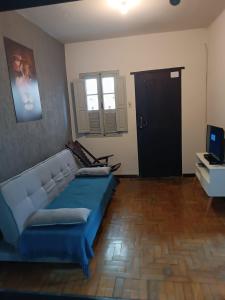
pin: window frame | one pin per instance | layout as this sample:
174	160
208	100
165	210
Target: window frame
99	75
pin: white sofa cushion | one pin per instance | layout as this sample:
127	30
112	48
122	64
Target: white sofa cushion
59	216
22	195
95	171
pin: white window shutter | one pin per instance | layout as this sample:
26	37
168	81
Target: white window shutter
121	104
110	121
94	121
81	106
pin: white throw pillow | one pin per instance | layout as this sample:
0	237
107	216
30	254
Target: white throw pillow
63	216
96	171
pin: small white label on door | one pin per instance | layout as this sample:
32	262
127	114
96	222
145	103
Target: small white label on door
175	74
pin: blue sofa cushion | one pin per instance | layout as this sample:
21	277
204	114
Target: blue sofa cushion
71	242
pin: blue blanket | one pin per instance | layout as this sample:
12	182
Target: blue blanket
71	242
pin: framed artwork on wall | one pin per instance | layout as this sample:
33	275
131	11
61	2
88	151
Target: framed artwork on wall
23	80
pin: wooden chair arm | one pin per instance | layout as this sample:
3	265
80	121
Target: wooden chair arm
106	158
98	165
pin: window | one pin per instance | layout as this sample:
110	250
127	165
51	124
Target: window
91	89
100	103
108	91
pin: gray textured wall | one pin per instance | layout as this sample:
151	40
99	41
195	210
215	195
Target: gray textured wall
22	145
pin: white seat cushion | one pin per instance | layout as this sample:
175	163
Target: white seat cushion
95	171
22	195
59	216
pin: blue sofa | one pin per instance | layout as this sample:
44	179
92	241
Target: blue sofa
52	184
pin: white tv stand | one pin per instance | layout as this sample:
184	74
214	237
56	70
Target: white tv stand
211	177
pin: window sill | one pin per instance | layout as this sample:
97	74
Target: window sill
98	135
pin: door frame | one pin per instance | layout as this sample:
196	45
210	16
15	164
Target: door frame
158	70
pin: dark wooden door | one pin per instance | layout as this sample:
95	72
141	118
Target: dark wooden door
158	112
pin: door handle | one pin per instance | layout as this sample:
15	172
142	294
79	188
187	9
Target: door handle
142	123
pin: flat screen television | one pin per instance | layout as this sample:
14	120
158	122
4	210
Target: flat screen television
215	142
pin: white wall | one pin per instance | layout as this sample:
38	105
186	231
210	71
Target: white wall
216	72
145	52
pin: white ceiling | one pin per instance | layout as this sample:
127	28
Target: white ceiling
95	19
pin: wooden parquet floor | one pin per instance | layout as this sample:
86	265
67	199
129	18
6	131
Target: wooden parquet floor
156	242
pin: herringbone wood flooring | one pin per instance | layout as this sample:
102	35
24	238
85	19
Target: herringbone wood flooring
156	242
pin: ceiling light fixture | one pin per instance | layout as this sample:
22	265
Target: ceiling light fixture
123	5
175	2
